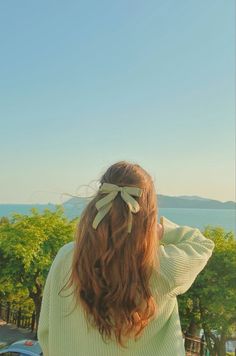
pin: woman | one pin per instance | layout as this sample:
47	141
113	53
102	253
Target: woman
113	290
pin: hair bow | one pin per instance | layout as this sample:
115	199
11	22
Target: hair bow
104	205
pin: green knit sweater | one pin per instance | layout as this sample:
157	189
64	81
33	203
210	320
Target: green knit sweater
183	254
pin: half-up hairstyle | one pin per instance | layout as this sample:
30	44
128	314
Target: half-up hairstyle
111	269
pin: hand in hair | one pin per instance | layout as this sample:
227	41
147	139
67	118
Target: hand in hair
160	230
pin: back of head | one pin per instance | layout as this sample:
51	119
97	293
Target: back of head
112	267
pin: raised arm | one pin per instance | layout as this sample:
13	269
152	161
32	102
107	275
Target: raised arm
183	253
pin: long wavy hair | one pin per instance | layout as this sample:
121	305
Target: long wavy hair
111	269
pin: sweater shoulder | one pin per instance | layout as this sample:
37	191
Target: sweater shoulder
63	253
66	248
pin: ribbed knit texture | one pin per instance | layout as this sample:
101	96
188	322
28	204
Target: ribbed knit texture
183	254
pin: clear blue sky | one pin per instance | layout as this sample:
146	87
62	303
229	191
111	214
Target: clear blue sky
84	84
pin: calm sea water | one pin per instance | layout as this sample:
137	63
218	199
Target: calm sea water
199	218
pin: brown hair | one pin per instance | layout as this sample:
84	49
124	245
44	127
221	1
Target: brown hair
111	269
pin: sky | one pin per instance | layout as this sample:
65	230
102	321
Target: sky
84	84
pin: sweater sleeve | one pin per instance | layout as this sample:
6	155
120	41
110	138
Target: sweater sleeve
184	252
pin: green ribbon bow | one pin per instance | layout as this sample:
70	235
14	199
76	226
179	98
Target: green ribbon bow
104	205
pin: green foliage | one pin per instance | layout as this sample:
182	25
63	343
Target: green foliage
28	245
211	301
4	220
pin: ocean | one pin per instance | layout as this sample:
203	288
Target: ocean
199	218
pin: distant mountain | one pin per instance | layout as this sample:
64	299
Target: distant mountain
192	197
165	201
192	202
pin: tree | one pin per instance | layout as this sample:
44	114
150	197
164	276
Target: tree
4	220
210	303
28	245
